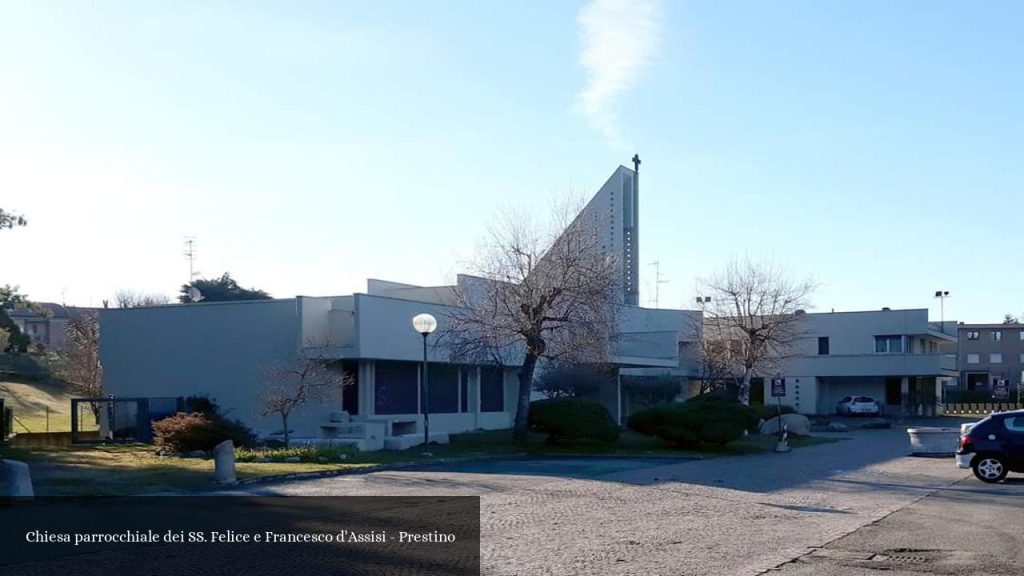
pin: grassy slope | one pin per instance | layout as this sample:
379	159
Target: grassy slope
121	470
30	401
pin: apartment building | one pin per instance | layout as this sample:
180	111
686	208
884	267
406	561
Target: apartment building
989	352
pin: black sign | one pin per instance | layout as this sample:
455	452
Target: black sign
1001	389
206	535
778	387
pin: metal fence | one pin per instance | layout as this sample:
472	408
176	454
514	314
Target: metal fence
6	420
120	420
981	408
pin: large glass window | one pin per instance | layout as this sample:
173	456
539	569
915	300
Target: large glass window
443	384
350	389
395	386
889	344
492	389
464	389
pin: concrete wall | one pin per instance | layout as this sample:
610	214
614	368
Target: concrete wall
853	333
801	393
216	349
384	329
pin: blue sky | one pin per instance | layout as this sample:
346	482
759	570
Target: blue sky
308	146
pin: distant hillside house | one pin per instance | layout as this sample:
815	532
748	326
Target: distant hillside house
45	322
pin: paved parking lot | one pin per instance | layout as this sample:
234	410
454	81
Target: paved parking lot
731	515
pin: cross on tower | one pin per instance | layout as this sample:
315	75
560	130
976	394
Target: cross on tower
636	163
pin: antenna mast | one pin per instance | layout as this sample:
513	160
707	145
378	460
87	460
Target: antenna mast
657	281
190	255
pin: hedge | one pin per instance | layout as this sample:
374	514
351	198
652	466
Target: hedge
573	419
705	419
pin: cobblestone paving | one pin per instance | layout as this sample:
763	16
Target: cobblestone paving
729	516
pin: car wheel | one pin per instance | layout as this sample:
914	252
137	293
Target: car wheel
989	468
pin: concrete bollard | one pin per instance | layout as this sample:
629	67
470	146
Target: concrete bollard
17	479
224	462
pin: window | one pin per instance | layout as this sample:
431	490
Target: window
1021	334
1022	358
350	389
823	346
997	335
972	335
443	389
973	359
395	387
464	389
1014	424
889	344
492	389
995	358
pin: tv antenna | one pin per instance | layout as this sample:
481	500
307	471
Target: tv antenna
657	281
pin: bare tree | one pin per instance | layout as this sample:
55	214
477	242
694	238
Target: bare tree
287	386
715	369
133	299
537	293
78	363
752	320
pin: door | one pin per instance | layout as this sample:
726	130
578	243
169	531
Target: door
1015	440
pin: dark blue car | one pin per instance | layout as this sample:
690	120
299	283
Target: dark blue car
994	446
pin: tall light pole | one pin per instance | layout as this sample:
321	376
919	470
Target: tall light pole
942	295
425	324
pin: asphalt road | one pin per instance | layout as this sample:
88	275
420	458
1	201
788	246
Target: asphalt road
730	516
968	528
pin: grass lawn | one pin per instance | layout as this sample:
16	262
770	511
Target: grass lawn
134	469
41	406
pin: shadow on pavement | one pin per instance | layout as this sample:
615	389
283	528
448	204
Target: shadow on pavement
860	455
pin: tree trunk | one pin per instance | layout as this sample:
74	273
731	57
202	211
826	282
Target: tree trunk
284	420
522	425
744	392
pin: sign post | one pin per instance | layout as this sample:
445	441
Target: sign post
1001	391
778	391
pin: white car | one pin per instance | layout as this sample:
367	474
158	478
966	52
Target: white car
857	405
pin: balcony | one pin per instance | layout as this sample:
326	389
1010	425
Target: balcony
875	365
660	349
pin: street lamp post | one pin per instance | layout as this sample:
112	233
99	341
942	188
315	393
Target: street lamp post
425	324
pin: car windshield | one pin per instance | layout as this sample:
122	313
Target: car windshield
863	399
